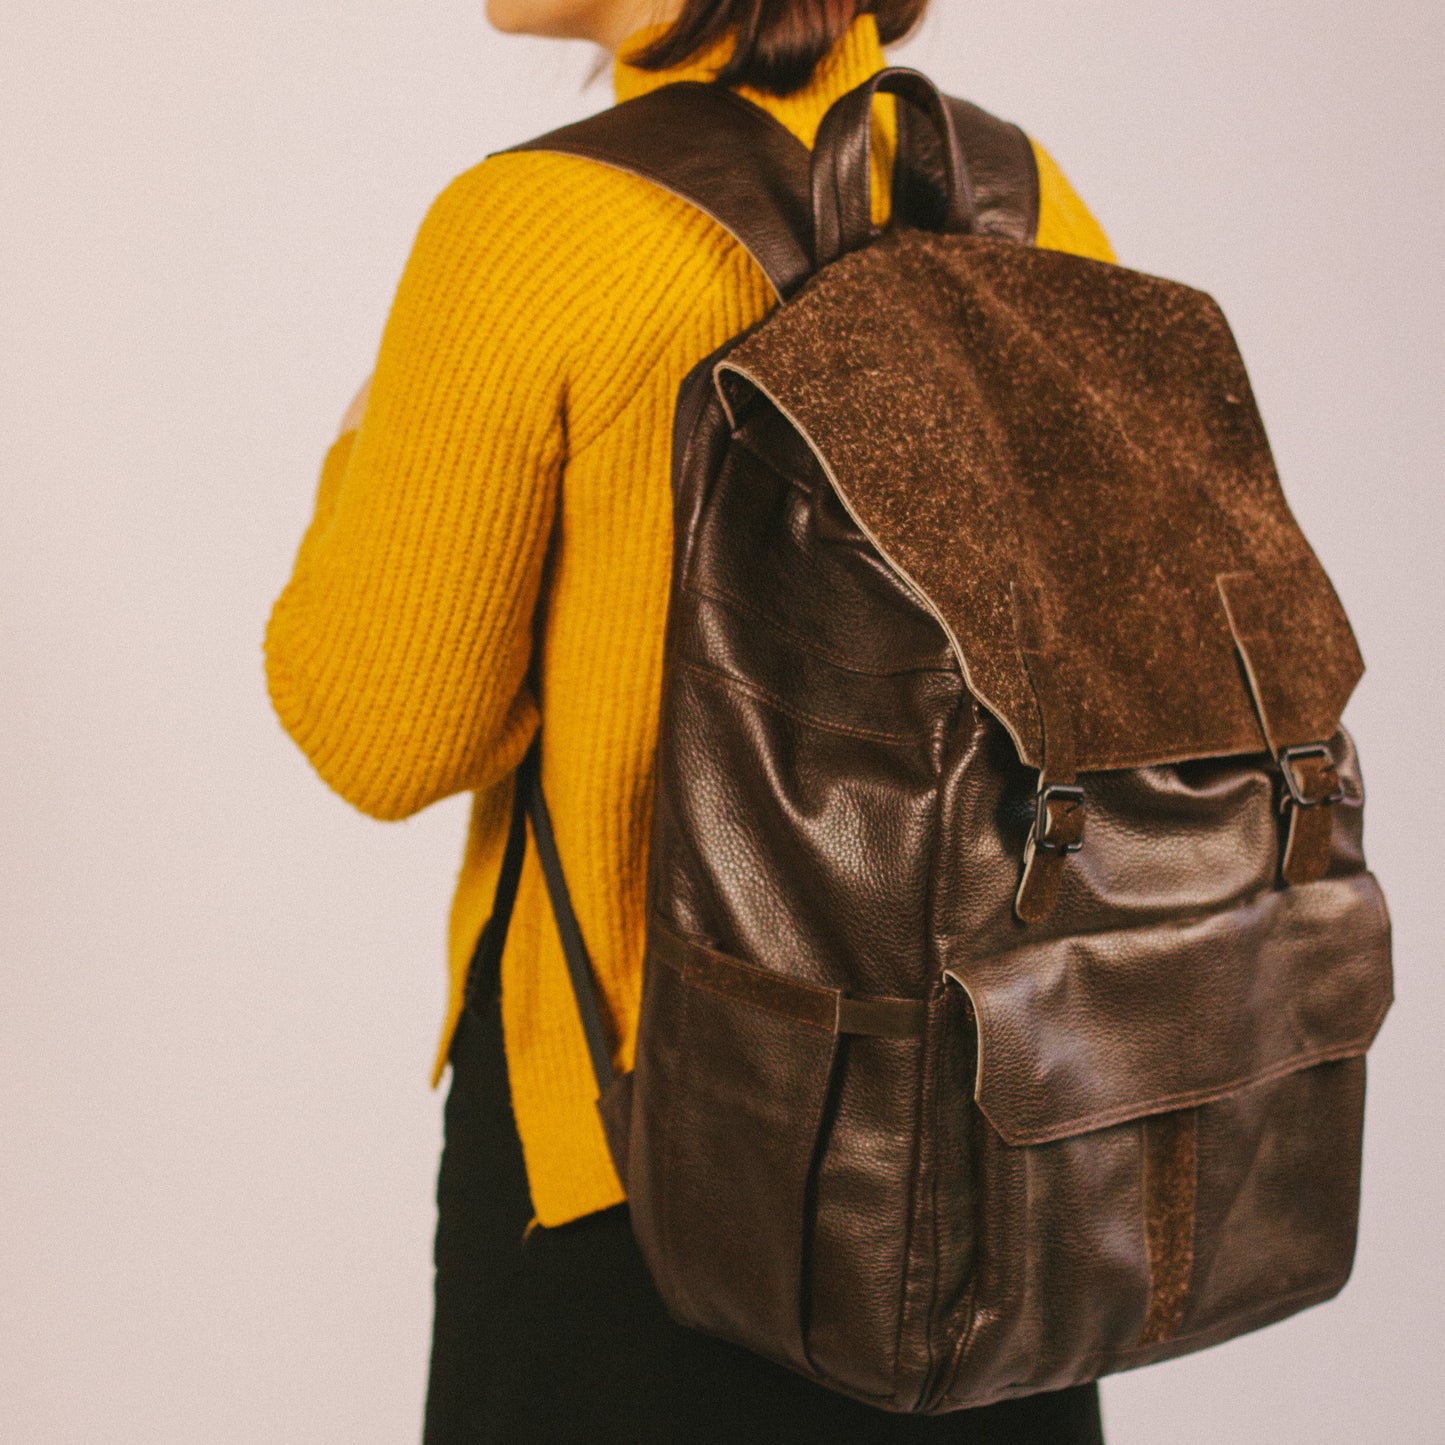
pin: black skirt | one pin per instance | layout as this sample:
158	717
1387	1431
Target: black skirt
560	1338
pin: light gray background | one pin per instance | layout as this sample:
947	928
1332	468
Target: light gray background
218	986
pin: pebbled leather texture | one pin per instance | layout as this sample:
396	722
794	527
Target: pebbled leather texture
882	1129
992	1207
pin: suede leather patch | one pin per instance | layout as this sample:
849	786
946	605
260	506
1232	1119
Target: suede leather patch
1171	1168
1000	419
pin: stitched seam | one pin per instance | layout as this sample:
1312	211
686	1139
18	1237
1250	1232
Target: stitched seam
726	598
825	994
695	979
1333	1053
941	1045
762	695
646	375
1174	920
974	1318
692	981
928	1078
940	1060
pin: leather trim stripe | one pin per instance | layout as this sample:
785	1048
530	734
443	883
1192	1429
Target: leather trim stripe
1171	1174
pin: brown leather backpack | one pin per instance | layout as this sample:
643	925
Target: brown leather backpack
1012	955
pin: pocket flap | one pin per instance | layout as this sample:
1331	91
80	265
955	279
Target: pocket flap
1081	1032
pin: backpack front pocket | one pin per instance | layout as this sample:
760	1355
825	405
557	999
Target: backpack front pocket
1168	1142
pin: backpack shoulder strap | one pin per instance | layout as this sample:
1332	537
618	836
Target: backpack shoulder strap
720	153
735	162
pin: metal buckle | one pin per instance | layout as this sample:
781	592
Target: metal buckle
1297	782
1059	818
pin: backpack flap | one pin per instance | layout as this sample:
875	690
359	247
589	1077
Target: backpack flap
1080	1033
1065	462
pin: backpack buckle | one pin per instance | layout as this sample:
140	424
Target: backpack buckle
1311	779
1058	830
1311	789
1059	818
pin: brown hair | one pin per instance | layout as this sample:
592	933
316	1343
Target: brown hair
779	42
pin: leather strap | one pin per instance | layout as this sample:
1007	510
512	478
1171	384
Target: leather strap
737	164
485	970
614	1089
1058	824
529	803
579	965
720	153
1311	781
813	1004
841	178
1001	165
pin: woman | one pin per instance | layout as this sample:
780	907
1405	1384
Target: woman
514	448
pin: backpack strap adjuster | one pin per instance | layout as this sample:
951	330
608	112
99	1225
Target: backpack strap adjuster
1311	789
1057	831
1058	824
1311	779
1059	818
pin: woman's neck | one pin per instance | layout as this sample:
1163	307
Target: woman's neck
607	23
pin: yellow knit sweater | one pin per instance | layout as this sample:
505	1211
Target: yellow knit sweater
520	416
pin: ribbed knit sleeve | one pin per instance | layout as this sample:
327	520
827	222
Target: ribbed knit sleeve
397	654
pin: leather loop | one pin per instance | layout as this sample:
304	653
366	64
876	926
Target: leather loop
1058	825
1310	780
1311	790
805	1003
1001	167
842	174
882	1018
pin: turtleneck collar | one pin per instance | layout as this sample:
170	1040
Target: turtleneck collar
851	61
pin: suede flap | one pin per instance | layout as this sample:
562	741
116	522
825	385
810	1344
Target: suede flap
1006	423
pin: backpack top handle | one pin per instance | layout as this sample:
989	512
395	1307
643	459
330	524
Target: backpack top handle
842	175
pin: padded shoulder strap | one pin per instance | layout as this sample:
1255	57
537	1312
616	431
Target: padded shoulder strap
735	162
724	155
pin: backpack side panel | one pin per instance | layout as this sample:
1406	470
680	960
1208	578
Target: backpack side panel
795	660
